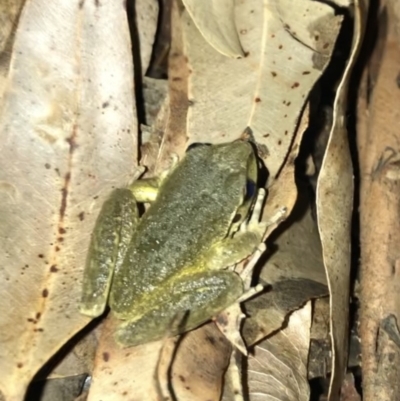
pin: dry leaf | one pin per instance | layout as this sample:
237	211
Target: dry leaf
110	380
200	363
334	209
146	13
265	91
215	19
294	272
378	146
278	370
68	127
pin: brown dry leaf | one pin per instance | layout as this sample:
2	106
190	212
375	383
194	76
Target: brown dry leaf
67	137
170	133
215	19
334	209
278	370
287	49
378	146
146	13
110	381
294	272
199	365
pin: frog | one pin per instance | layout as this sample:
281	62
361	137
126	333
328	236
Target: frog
169	270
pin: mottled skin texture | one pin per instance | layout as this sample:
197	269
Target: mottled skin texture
166	273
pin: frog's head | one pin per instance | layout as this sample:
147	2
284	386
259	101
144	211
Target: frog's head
227	173
243	160
239	162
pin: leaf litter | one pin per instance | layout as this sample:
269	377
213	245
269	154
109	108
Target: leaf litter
246	71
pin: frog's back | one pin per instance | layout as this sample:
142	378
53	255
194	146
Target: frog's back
194	209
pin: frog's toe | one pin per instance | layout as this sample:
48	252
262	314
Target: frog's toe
258	206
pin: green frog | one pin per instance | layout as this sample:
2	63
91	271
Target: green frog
174	260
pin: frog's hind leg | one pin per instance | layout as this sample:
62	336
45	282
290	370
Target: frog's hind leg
113	230
195	298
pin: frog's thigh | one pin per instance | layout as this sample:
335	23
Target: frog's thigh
110	238
183	306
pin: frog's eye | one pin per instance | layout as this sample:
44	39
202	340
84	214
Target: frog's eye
250	189
196	145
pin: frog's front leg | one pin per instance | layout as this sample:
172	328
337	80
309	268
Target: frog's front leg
194	299
146	190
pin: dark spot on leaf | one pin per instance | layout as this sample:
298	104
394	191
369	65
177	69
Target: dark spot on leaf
306	72
81	216
60	239
54	269
81	3
176	79
105	104
181	378
246	54
20	365
72	143
62	230
47	165
45	293
57	248
221	320
280	47
325	46
41	256
316	37
258	100
295	85
210	339
243	31
398	80
273	73
38	314
106	356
